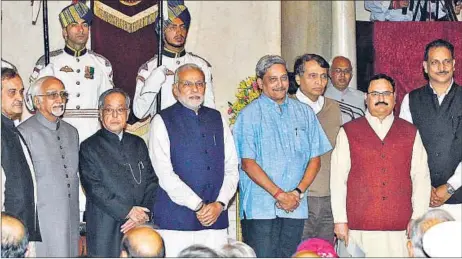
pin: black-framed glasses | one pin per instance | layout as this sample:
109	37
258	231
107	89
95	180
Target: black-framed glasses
384	94
54	95
110	111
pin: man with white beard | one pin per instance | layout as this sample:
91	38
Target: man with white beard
54	146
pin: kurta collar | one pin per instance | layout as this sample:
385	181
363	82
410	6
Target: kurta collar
381	128
45	122
345	91
173	54
75	53
316	106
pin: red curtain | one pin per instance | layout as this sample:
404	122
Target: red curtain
126	51
400	47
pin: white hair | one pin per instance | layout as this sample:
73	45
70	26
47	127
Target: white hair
237	249
34	90
417	231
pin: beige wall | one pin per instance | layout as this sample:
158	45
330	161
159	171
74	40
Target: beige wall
231	35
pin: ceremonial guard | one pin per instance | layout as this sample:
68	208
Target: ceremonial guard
151	78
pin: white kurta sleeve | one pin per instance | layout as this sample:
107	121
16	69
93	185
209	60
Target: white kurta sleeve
420	176
405	111
231	167
456	179
340	169
159	151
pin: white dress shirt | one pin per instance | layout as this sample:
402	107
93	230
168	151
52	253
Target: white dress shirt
456	179
316	106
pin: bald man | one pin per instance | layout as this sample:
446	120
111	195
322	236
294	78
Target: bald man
142	241
352	100
15	238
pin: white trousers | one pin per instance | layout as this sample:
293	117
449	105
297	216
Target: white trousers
175	241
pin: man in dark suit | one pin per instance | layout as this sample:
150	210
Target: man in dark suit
117	176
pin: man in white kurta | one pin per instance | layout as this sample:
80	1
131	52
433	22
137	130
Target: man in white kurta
380	119
188	194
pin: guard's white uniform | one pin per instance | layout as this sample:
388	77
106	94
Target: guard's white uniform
85	76
144	102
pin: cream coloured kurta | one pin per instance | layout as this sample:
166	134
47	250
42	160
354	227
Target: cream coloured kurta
378	243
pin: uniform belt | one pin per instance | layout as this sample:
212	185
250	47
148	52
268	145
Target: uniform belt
81	113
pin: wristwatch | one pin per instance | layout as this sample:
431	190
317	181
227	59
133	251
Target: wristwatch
450	190
223	205
300	193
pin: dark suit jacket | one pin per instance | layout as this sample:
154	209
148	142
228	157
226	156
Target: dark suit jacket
116	175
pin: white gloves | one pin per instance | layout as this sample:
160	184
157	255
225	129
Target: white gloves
155	80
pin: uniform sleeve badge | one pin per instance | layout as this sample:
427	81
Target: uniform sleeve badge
89	72
66	69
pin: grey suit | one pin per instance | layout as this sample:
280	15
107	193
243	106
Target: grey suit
54	148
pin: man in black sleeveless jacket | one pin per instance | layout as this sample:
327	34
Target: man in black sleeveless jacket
436	110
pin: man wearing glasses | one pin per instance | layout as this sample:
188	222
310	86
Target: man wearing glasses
151	79
351	100
117	176
380	180
54	146
436	110
194	156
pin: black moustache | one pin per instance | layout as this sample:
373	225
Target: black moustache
378	103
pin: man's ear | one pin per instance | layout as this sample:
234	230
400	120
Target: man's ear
260	83
175	90
36	102
297	79
410	249
64	32
424	64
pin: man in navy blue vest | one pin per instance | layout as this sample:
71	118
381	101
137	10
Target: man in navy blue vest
436	110
194	156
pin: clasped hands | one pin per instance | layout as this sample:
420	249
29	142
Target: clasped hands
137	216
288	201
439	195
209	213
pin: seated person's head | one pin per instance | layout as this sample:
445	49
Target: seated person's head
142	241
237	249
15	238
420	226
198	251
315	247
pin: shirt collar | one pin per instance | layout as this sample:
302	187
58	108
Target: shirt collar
111	135
268	101
73	52
316	106
52	125
173	54
345	91
447	90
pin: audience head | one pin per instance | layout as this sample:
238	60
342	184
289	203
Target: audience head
341	72
189	86
381	96
142	241
113	106
420	226
198	251
311	74
12	93
315	247
237	249
48	96
14	237
272	77
75	21
439	62
443	240
175	27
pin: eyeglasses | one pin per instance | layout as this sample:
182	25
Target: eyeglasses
55	95
344	71
12	92
189	84
377	94
110	111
